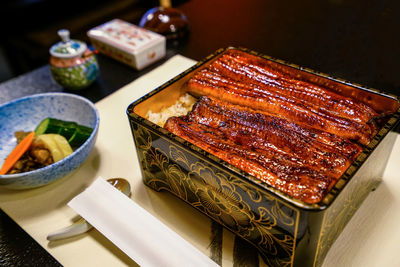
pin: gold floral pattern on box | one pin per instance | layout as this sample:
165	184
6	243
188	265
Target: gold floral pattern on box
256	216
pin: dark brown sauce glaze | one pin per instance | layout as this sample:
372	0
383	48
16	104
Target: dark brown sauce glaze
294	134
248	81
300	161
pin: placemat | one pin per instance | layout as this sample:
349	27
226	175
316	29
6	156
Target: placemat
370	239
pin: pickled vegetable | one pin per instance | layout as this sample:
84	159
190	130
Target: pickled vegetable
75	133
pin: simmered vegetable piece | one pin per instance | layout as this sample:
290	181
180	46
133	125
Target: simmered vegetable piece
43	150
56	144
17	153
52	140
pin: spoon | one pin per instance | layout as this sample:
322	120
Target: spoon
82	226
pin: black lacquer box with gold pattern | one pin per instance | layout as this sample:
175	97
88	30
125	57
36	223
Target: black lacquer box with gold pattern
285	230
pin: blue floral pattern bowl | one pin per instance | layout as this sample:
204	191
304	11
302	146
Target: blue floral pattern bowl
25	114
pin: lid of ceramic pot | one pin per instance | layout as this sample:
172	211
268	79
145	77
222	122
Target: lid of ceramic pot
67	48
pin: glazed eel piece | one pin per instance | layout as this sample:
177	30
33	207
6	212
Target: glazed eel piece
302	162
238	80
275	171
281	133
264	73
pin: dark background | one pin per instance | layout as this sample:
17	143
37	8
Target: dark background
29	27
357	40
352	39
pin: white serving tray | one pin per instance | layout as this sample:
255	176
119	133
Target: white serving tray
370	239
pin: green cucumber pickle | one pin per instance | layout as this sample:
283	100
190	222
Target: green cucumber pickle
76	134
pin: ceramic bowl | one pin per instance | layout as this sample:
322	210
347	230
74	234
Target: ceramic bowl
75	73
25	114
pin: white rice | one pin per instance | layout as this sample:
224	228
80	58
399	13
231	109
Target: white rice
182	106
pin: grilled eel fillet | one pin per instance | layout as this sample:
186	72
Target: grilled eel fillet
246	80
300	161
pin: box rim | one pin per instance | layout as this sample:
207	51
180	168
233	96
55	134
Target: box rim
340	184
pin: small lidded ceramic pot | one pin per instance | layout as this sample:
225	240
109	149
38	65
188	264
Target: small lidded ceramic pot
72	64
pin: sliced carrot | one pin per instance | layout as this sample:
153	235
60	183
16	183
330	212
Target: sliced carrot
17	153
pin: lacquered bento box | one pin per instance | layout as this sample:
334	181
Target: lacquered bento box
286	231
